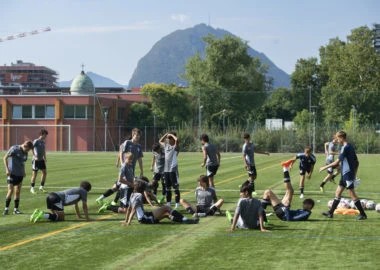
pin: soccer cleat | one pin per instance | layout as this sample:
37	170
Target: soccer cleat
286	164
42	189
229	216
321	189
5	212
161	199
267	223
17	212
113	203
361	217
104	207
33	216
176	206
327	214
100	201
37	215
33	191
301	196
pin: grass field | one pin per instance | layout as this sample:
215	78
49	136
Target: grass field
319	243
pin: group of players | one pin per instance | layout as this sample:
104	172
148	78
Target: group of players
134	191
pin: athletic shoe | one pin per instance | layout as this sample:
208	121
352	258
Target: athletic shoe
5	212
176	206
321	189
104	207
229	216
33	191
301	196
266	223
327	214
161	199
286	164
33	216
99	201
42	189
191	221
361	217
113	203
17	212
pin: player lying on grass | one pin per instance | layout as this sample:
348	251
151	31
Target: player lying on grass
248	213
136	207
282	208
56	201
207	203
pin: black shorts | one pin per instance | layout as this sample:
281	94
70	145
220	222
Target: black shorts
211	170
54	202
148	218
252	171
304	171
203	209
171	179
279	210
38	165
15	179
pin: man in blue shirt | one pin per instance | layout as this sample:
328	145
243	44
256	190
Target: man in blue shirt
282	208
349	165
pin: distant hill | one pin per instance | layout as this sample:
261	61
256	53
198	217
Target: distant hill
167	58
98	80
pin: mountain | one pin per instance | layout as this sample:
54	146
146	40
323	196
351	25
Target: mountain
167	58
98	80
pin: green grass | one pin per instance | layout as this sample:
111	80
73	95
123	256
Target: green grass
341	243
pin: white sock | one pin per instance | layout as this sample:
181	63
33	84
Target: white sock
285	169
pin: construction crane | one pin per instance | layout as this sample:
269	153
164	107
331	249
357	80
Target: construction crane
24	34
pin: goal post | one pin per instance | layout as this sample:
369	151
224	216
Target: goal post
58	139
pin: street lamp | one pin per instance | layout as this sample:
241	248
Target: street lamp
354	118
224	128
200	121
105	112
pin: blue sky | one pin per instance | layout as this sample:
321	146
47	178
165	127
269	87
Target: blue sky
109	37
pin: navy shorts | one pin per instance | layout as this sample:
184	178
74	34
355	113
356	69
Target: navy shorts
54	202
279	210
38	165
15	179
211	170
148	218
171	179
252	171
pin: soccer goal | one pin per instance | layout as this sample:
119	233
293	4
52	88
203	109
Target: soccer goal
58	139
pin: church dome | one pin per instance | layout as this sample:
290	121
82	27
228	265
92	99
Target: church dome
82	85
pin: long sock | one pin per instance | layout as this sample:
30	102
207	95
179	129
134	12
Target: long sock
301	190
252	185
32	184
17	202
265	216
286	176
7	202
359	206
265	203
177	195
190	210
53	217
322	184
176	216
169	195
334	205
212	210
42	183
117	197
108	192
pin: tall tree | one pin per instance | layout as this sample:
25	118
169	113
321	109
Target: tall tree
228	78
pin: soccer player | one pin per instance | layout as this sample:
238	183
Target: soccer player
15	171
282	208
307	162
171	148
136	207
349	165
56	201
330	151
207	203
211	158
39	161
248	213
158	163
249	160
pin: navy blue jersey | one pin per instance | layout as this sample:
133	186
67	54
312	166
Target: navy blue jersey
349	162
306	162
296	215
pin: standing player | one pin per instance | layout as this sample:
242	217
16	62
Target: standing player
282	208
207	203
307	162
15	171
330	151
171	148
211	158
39	161
349	165
56	201
158	163
249	160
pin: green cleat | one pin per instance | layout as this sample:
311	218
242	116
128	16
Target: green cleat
37	215
42	189
321	189
33	216
161	199
267	223
229	216
113	203
100	201
104	207
33	191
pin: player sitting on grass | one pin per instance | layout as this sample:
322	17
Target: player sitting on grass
282	208
56	201
136	207
207	203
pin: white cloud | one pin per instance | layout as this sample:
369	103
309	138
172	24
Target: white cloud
180	17
144	25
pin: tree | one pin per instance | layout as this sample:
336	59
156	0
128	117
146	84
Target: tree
140	115
279	105
228	78
170	104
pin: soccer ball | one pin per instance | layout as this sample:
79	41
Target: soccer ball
363	202
352	204
378	208
370	205
330	203
343	204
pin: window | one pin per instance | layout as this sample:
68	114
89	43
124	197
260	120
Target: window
33	112
69	111
1	111
120	114
77	112
80	112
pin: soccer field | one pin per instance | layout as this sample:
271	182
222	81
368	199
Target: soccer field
319	243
